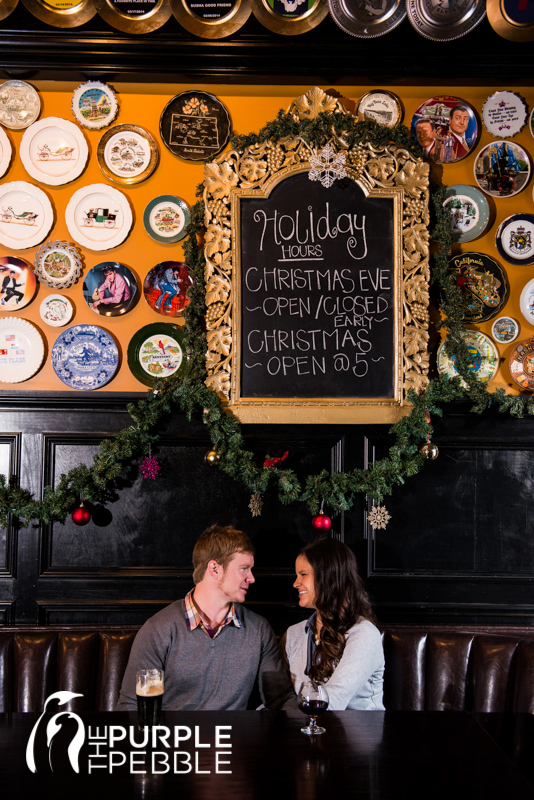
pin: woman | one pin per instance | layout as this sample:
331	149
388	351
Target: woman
339	644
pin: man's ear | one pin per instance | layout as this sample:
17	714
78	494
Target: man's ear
214	569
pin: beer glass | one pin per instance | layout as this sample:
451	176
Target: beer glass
149	691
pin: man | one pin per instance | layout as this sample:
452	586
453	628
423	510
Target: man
211	647
425	130
10	287
458	124
113	292
169	285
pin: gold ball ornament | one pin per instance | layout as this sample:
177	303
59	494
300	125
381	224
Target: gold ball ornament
429	451
212	458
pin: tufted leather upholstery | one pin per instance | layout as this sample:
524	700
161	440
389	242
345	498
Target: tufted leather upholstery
427	668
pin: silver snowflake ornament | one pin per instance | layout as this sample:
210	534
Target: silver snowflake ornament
327	166
378	517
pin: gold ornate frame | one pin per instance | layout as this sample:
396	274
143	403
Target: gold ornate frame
388	171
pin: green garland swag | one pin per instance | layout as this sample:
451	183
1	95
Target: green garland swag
190	395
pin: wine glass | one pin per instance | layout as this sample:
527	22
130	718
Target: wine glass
312	700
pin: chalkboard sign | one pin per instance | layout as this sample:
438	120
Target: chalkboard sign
318	288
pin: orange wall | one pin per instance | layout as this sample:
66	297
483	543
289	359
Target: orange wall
250	107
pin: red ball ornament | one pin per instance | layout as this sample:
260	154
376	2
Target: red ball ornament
322	522
80	515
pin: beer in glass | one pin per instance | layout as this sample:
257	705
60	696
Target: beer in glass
149	691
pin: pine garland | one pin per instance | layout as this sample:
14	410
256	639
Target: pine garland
189	394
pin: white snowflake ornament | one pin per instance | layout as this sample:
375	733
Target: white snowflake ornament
327	166
378	517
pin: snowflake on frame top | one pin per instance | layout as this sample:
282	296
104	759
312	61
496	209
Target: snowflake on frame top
327	166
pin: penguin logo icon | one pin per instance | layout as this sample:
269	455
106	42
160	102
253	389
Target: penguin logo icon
54	727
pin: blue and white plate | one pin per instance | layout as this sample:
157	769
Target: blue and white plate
515	239
85	357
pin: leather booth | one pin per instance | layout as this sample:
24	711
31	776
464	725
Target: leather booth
438	668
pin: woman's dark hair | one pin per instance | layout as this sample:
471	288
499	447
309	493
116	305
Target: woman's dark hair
340	600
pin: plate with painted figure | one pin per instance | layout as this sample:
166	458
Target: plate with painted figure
20	104
166	288
166	218
446	127
505	330
469	212
85	357
17	283
515	239
56	310
26	215
483	358
367	19
54	151
127	154
110	289
94	105
195	126
502	169
483	283
99	217
521	364
156	351
21	350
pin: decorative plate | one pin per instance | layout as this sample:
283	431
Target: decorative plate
127	154
58	264
62	13
531	122
6	7
526	302
26	215
484	358
21	350
94	104
195	125
469	212
511	19
85	357
6	151
483	283
110	289
98	217
504	114
289	17
211	20
20	105
381	106
446	128
443	22
502	169
156	351
505	330
521	364
134	16
166	218
56	310
165	288
367	20
17	283
515	239
54	151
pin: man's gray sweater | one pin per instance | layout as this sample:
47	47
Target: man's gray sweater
203	673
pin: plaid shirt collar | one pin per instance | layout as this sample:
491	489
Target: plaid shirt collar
194	620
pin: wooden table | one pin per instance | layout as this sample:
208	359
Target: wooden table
364	754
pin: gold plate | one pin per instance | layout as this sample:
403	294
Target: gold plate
517	28
289	17
127	154
126	16
6	7
381	106
62	13
202	19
